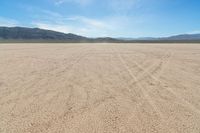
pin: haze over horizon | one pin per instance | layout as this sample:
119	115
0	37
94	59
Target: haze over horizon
113	18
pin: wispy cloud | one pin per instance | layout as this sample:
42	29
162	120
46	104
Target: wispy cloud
110	26
89	22
8	22
76	24
80	2
123	6
115	25
69	24
194	32
91	26
116	5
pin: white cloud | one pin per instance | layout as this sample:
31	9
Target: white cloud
194	32
122	6
119	6
63	28
117	25
8	22
50	13
51	26
109	26
77	25
71	24
114	25
89	22
80	2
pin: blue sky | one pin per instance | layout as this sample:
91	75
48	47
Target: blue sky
99	18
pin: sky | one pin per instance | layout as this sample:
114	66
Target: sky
101	18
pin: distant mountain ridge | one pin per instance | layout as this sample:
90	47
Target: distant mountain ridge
184	37
172	38
22	34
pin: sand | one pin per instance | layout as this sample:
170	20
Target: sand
99	88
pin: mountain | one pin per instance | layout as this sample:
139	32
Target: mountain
176	38
106	39
21	33
184	37
126	38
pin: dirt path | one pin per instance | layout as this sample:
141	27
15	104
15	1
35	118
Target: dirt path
95	88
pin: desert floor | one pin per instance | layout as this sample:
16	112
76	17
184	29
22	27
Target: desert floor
100	88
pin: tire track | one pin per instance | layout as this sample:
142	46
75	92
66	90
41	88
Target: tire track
160	84
151	102
152	69
145	94
35	81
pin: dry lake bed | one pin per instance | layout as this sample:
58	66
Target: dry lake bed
99	88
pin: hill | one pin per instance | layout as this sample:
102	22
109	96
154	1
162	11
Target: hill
185	37
22	34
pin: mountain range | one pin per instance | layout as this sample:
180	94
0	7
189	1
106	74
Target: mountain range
22	34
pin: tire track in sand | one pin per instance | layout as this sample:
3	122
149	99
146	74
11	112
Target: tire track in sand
146	95
156	68
151	102
160	84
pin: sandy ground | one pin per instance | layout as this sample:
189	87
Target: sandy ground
99	88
